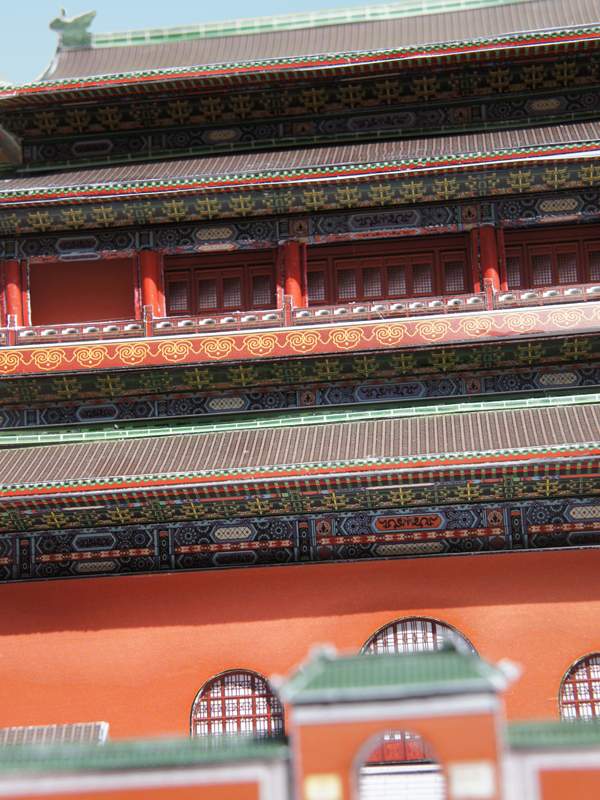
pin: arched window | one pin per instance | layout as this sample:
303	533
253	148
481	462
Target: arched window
237	702
415	635
579	695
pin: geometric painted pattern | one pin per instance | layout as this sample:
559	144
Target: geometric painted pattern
294	539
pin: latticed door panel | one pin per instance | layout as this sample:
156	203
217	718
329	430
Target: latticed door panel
580	690
401	747
237	703
415	635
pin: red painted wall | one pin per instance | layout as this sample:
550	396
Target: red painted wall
81	291
135	650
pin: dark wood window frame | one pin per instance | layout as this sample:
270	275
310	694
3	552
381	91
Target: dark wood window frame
388	270
191	282
541	259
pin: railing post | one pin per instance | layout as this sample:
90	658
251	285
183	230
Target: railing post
148	320
11	334
288	319
489	293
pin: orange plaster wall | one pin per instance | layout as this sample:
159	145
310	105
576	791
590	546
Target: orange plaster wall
134	650
86	291
575	784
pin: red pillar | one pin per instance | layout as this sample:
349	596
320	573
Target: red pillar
488	250
293	273
149	277
13	290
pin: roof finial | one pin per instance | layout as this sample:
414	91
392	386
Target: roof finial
73	32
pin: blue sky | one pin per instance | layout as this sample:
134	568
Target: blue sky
27	44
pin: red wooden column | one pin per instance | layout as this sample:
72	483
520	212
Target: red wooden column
149	278
293	272
13	290
488	250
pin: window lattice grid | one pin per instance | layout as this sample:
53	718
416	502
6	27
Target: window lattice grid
232	292
415	635
346	279
513	272
315	282
567	267
541	268
397	747
396	280
238	703
422	283
580	690
594	263
371	282
454	276
261	291
207	293
178	296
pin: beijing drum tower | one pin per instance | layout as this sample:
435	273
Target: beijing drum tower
300	345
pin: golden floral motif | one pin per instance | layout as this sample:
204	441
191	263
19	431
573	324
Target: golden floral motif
10	361
48	358
133	353
260	345
433	330
345	338
175	350
524	322
303	341
218	347
476	326
91	356
567	317
391	334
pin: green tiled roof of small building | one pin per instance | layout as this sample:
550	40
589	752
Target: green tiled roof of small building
141	754
340	679
548	735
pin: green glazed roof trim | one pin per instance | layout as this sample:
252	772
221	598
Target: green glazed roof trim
329	679
546	735
286	22
142	754
288	419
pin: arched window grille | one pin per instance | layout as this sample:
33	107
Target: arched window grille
415	635
579	695
237	703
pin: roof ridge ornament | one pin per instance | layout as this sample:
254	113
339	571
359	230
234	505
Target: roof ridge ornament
73	32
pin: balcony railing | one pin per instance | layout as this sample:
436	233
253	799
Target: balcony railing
291	317
546	296
382	309
236	321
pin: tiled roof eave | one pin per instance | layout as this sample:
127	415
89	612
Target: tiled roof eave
330	65
322	174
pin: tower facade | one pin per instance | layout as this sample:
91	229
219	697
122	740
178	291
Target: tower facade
300	344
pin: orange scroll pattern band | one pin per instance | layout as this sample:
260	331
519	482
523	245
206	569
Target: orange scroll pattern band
325	340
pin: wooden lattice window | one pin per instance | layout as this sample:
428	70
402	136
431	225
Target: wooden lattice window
366	273
579	695
414	635
237	703
554	257
229	283
399	747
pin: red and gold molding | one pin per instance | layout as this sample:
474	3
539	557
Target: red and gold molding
481	327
